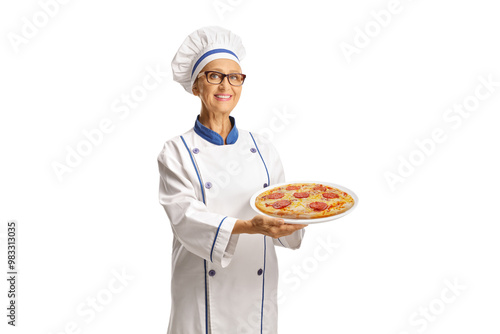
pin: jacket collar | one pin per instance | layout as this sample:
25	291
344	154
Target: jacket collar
212	136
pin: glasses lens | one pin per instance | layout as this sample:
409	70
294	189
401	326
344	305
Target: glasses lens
214	77
236	79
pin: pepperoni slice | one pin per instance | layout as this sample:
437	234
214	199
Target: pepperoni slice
319	187
318	206
330	195
301	195
292	188
281	204
275	195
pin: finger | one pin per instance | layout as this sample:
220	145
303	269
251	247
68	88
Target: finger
297	226
277	221
291	227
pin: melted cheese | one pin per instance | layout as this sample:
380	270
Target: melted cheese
301	205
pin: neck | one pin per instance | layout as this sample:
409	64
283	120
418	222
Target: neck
218	122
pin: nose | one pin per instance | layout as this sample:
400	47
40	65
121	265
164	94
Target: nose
225	83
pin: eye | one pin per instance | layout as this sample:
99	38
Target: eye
214	76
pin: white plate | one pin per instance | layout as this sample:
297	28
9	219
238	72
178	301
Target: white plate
311	220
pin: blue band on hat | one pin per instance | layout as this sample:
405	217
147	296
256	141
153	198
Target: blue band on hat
208	53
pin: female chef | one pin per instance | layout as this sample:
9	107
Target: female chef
224	265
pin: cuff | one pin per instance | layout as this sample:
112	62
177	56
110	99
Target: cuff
292	241
224	243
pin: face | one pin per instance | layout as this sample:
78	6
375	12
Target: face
220	98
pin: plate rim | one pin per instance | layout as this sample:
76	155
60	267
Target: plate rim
306	220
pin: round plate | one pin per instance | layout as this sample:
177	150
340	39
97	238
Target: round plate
311	220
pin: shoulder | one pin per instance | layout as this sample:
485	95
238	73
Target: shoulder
174	146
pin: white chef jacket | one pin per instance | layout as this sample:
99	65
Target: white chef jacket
222	283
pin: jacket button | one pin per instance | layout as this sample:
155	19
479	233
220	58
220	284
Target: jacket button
265	185
259	272
196	150
211	272
253	150
208	185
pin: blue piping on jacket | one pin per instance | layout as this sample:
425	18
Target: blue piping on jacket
263	284
268	180
216	234
195	168
204	261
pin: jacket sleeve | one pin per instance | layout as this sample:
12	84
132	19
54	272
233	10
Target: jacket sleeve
203	233
277	175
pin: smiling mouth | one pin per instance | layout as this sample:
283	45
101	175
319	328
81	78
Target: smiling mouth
222	97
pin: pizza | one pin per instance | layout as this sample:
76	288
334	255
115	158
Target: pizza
303	201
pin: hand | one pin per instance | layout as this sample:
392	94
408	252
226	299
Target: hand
272	227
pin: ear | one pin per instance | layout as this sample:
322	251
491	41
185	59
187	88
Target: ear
195	88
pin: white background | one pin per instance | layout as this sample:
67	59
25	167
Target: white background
349	123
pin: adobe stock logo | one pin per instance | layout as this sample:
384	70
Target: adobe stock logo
224	6
88	311
278	123
122	106
293	280
453	117
30	28
421	319
381	19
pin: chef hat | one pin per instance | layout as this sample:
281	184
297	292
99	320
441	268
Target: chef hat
200	48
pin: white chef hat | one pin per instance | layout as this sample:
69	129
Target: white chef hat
200	48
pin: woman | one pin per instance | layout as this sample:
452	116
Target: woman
224	266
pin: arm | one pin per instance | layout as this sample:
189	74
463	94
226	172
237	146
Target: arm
203	233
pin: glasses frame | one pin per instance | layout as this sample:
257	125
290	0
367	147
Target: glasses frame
223	77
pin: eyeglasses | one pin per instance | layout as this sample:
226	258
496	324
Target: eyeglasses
215	78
